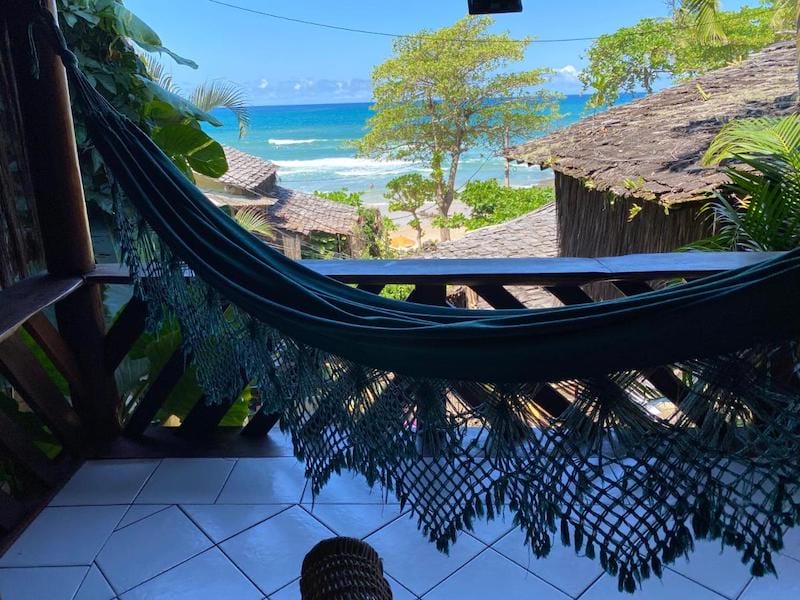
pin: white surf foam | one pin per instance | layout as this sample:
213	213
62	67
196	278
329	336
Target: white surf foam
345	166
291	142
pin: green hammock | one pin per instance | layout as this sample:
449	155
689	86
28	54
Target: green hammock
440	404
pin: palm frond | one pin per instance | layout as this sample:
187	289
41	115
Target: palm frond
759	208
253	220
223	94
158	73
706	19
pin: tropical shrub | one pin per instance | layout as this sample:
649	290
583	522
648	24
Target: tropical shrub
759	208
490	203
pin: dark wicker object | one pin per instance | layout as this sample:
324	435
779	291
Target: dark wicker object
343	568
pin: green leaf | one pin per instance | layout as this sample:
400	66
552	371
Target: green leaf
192	146
162	50
178	103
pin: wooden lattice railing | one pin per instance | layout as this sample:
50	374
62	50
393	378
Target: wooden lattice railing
33	354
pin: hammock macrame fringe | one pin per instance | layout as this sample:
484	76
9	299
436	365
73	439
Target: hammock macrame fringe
439	407
608	478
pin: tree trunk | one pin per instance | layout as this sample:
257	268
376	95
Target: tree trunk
449	194
506	144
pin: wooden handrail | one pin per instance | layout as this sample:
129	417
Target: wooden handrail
510	271
29	297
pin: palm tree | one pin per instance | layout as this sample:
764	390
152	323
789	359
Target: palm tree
759	209
213	94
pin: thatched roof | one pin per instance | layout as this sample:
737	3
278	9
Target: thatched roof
248	173
305	213
297	212
655	143
533	234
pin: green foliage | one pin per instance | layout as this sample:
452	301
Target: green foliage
444	92
696	40
409	193
107	39
343	196
759	209
373	232
490	203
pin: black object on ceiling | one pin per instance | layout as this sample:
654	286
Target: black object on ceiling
487	7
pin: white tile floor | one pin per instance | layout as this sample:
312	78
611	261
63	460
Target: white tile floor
217	528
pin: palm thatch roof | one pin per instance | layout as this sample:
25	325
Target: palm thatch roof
297	212
533	234
650	149
305	213
248	173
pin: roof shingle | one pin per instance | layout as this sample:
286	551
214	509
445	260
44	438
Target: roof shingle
656	143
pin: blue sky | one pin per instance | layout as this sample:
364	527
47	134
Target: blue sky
289	63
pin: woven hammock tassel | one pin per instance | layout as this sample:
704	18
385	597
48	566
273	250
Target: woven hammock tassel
564	531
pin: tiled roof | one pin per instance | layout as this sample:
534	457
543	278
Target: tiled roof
658	141
533	234
305	213
248	173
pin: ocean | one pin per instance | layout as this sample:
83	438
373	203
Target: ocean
308	143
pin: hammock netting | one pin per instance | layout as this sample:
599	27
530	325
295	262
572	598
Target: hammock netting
444	406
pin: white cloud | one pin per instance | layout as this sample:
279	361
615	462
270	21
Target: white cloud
565	79
308	90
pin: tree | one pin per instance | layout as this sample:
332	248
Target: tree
108	41
697	39
446	91
785	18
491	204
409	193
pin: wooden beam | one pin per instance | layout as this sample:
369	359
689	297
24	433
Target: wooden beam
497	296
124	333
510	271
26	453
429	294
28	377
61	209
157	393
23	300
261	424
50	341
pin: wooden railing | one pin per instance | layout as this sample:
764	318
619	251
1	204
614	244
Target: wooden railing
27	336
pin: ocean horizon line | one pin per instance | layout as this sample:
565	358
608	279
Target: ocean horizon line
368	102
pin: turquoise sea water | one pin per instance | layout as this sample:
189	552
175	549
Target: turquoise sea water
308	143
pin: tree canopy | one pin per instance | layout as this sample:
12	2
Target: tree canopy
698	38
447	91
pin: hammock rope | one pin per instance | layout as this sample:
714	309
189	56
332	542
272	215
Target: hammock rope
439	405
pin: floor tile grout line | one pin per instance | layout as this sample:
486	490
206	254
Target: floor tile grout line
224	483
139	520
527	567
700	583
396	580
107	578
285	505
590	586
160	573
147	480
364	537
238	568
438	583
80	585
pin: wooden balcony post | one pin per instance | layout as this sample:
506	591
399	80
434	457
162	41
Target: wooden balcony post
55	171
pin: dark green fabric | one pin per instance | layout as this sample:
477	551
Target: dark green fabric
443	406
698	319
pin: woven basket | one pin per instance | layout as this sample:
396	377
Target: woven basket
343	568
